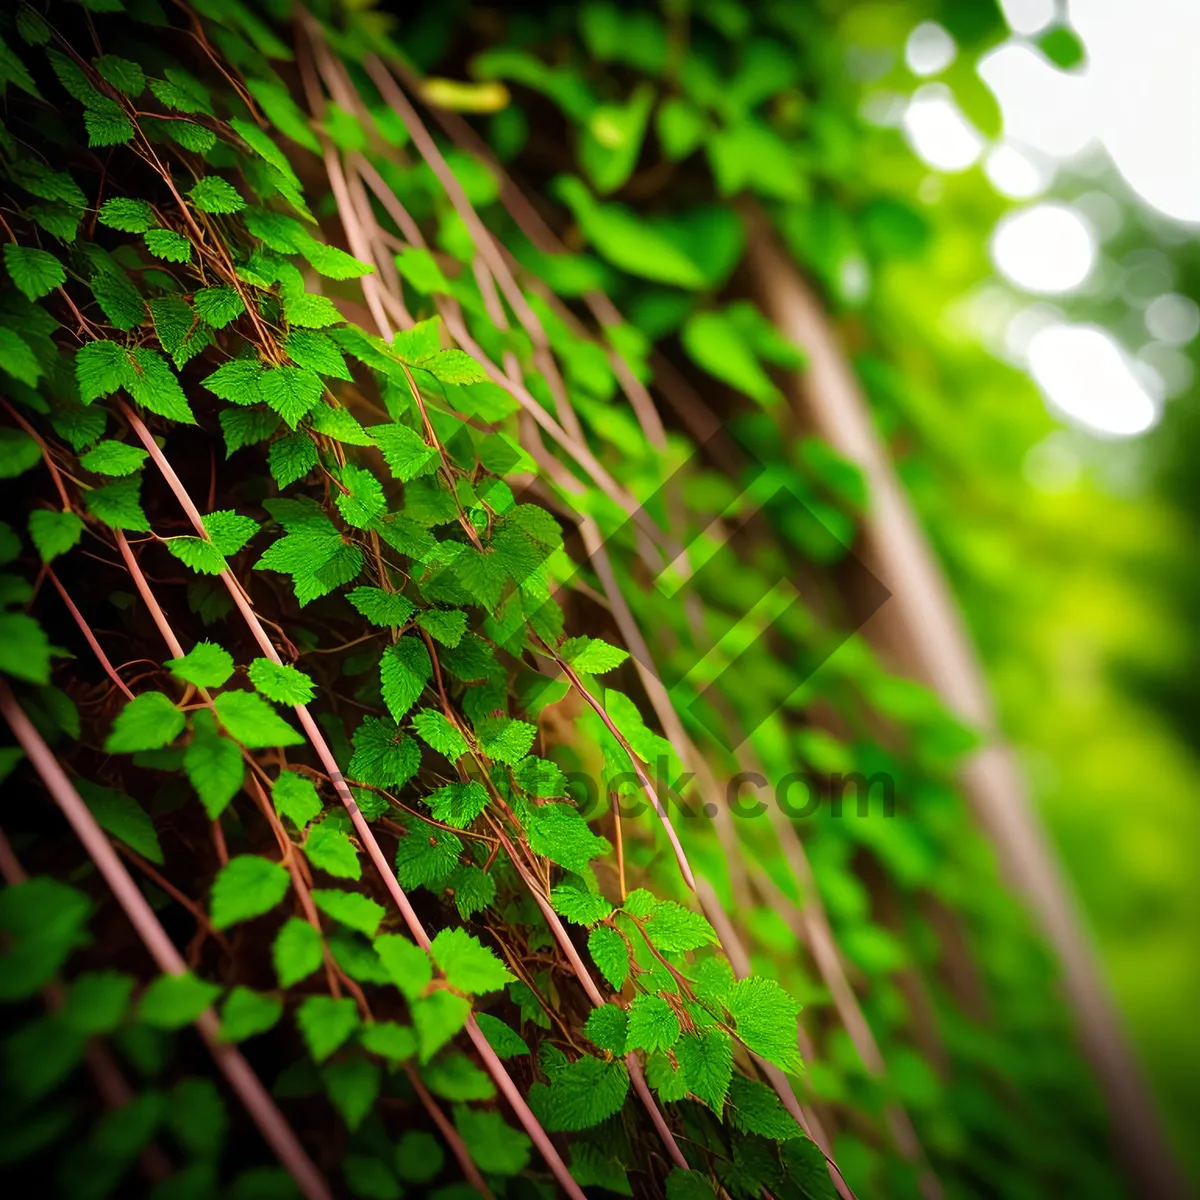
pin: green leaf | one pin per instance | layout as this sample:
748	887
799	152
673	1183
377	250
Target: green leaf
404	451
123	817
689	1185
325	1023
10	544
218	306
107	126
422	341
100	369
213	764
97	1002
351	908
246	1013
18	359
207	665
212	194
190	136
629	241
198	554
673	928
128	216
24	648
229	530
316	352
370	1178
383	756
296	798
755	1108
437	1018
680	126
254	722
455	366
540	777
440	734
124	75
113	458
117	504
426	855
381	608
309	311
173	321
338	424
35	272
455	1077
640	903
506	1042
419	1156
33	30
246	887
612	139
54	533
495	1146
364	503
40	181
396	1043
173	1001
329	260
79	427
444	626
458	804
61	220
44	921
473	889
13	70
296	952
153	385
559	833
418	268
329	848
168	245
718	346
653	1024
606	1026
403	673
505	740
182	92
262	145
147	722
246	427
583	1094
353	1087
280	682
119	300
592	655
237	381
577	905
291	458
467	964
406	963
610	954
707	1060
290	391
765	1020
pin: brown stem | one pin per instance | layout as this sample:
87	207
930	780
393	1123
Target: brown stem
88	634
